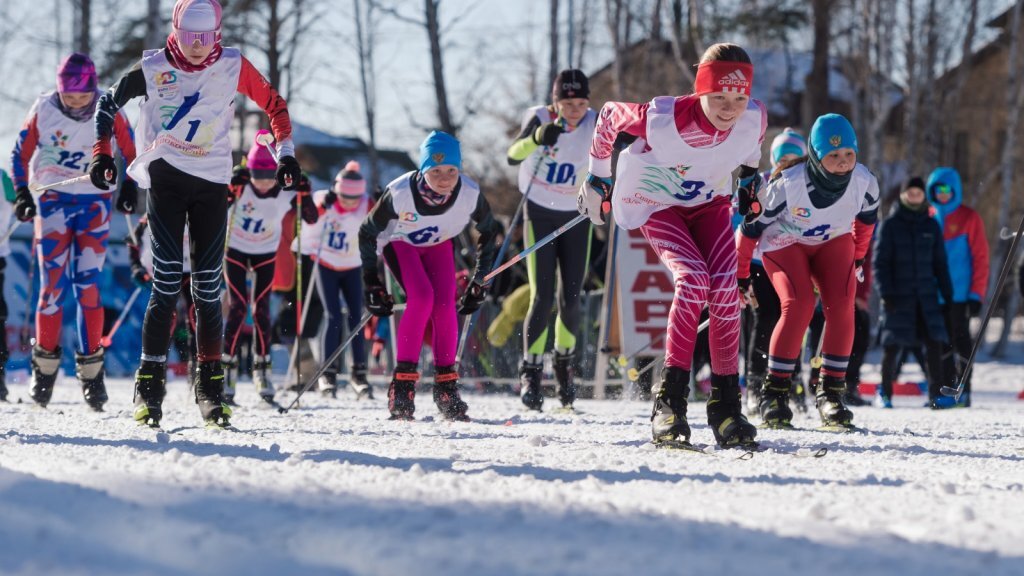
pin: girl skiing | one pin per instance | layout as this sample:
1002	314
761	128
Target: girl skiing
674	183
412	225
814	231
189	88
333	244
74	221
552	151
258	208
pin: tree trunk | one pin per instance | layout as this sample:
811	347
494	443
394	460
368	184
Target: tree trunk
273	43
444	116
816	93
82	43
553	40
154	25
366	40
929	143
912	95
954	95
613	16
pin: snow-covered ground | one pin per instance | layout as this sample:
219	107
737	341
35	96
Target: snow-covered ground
334	488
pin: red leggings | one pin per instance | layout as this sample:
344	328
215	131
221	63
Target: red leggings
795	271
696	245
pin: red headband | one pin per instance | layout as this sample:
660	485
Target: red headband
721	76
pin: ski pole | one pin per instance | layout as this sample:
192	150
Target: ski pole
305	311
634	375
106	340
537	246
131	230
1007	264
266	139
61	184
613	237
10	231
333	358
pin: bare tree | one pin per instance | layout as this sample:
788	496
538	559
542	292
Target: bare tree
817	83
952	103
83	21
616	16
686	36
366	39
553	39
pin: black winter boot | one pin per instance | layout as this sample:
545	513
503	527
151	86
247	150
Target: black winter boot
150	388
45	366
725	413
529	385
328	385
402	391
89	369
360	385
830	402
565	375
209	390
775	411
446	394
230	364
668	417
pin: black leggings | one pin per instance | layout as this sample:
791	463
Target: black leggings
238	264
177	199
569	254
939	371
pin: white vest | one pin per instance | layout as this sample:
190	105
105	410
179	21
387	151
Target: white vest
186	117
417	229
146	252
564	167
64	149
800	222
341	237
256	222
673	173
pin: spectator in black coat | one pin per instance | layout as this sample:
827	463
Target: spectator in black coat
911	271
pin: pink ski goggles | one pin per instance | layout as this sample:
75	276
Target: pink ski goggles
186	38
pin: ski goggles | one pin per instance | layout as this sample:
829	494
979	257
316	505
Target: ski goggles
187	38
943	189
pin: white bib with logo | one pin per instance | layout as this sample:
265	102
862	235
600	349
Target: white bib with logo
341	236
64	149
417	229
555	183
256	222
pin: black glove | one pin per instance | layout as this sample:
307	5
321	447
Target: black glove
307	208
304	186
288	172
140	276
240	177
128	196
547	134
102	171
974	306
475	295
378	301
747	195
24	205
330	199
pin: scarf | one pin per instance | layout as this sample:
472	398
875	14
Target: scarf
429	196
828	185
78	114
179	61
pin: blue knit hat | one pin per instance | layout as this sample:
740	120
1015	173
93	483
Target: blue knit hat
440	148
789	141
832	132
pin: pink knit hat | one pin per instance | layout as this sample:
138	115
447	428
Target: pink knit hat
260	162
349	182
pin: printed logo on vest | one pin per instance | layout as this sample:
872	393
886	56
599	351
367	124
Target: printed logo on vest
167	86
59	139
800	212
409	217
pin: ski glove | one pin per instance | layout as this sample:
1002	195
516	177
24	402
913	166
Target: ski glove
128	196
547	134
24	204
304	199
102	171
330	198
746	193
140	276
858	265
288	172
592	197
473	298
378	301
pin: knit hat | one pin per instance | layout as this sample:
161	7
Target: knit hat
76	73
832	132
570	83
349	182
789	141
260	162
915	182
438	149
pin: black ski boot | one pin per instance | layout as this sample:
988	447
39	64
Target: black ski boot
529	385
830	403
402	391
45	366
853	397
89	369
775	411
668	417
360	385
150	388
328	385
261	378
446	394
209	391
564	374
230	364
3	373
725	413
799	395
755	384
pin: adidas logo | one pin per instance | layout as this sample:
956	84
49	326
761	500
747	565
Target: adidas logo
734	78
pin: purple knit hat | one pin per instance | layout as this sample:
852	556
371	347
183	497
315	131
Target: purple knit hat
76	73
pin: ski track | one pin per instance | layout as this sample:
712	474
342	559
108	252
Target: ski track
334	488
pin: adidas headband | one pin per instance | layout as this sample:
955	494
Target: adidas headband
721	76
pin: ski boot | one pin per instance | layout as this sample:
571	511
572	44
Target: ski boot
799	395
830	402
755	384
89	369
529	385
725	413
883	401
402	391
564	374
853	397
3	375
360	385
668	417
774	407
446	394
230	364
45	366
261	378
209	394
150	388
328	385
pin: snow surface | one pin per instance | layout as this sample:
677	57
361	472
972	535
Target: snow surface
334	488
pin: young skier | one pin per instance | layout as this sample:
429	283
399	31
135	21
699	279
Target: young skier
814	231
6	211
74	222
258	208
552	152
675	183
189	88
412	225
338	274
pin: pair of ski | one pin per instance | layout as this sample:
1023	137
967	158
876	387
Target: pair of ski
748	449
831	428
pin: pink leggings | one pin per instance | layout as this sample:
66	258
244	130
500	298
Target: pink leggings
696	245
427	275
